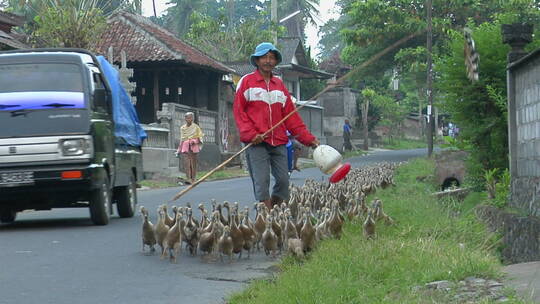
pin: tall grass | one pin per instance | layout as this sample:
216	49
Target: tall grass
430	241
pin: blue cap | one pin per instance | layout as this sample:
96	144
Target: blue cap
262	49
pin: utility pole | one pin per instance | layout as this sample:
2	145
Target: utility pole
429	132
273	17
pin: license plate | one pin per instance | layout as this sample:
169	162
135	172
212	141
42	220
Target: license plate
9	179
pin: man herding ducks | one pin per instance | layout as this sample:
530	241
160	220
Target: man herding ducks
314	212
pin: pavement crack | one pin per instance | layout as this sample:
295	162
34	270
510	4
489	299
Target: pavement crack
226	280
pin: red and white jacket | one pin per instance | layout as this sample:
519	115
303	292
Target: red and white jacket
259	105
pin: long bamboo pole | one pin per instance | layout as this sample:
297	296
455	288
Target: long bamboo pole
328	87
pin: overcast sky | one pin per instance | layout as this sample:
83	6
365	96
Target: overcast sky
326	12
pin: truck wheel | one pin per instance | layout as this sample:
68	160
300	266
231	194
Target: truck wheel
100	201
7	216
126	198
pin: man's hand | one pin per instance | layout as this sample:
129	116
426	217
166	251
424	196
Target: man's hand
315	143
259	138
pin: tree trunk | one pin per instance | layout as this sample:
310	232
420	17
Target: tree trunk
420	116
365	109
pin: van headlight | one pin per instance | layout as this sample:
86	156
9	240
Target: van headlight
74	147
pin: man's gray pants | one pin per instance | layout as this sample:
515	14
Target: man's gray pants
263	159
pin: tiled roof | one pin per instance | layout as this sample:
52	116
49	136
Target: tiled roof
10	41
144	41
335	65
11	19
291	47
7	37
242	68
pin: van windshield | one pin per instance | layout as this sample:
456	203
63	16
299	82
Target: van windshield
40	86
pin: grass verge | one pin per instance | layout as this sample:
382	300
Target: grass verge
157	184
349	154
224	173
430	241
403	144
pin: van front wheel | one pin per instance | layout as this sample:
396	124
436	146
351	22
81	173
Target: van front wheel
100	201
126	198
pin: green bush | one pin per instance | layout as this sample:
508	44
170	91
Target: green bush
502	189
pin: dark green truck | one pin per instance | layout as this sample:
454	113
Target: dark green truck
68	136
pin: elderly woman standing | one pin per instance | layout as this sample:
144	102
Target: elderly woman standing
191	137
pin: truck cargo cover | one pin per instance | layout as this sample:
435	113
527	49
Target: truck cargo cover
127	125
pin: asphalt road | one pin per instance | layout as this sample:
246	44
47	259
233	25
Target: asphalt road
58	256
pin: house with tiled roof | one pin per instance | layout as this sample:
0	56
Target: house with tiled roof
339	102
172	78
8	39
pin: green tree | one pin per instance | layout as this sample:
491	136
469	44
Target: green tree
241	9
391	114
412	64
31	8
478	108
310	87
70	23
372	25
212	36
331	40
367	95
178	15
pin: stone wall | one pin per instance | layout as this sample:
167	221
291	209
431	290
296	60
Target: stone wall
521	234
526	194
411	128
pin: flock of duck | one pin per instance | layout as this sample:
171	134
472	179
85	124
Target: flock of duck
314	212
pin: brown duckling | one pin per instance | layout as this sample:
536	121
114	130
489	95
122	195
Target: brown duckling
169	221
161	229
321	230
208	239
222	219
260	224
276	226
248	233
369	225
379	214
225	244
191	233
236	213
269	239
203	222
227	220
173	239
237	237
213	202
335	224
290	229
249	221
307	234
295	248
148	232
